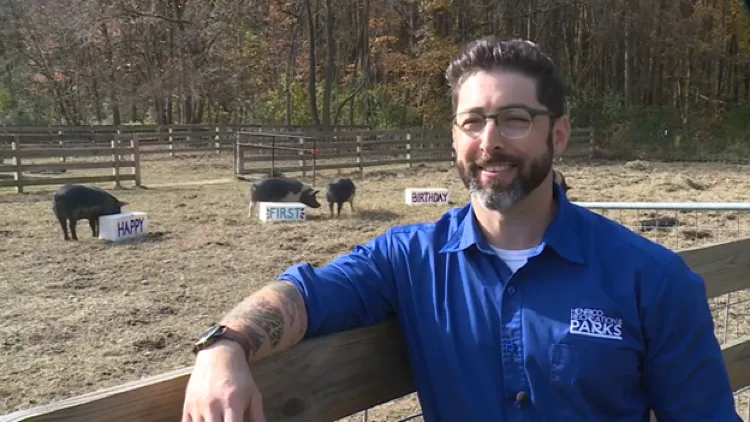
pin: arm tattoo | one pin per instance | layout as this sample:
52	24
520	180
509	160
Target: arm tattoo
289	297
268	316
255	338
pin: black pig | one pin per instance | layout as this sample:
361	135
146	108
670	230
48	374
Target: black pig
340	190
277	189
76	202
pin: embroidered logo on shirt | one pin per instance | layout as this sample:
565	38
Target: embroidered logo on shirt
593	323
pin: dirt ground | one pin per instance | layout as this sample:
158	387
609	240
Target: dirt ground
77	317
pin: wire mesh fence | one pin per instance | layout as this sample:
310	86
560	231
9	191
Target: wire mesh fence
676	226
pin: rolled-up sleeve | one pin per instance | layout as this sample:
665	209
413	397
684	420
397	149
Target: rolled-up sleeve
684	373
353	290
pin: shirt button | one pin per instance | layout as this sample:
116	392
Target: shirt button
511	289
521	399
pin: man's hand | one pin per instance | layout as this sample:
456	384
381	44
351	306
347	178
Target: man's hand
221	387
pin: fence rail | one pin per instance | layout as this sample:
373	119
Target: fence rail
257	149
162	128
673	206
155	139
333	387
171	140
264	153
124	156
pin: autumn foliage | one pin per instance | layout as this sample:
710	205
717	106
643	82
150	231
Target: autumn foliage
653	76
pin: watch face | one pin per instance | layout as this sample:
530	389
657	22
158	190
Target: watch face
210	333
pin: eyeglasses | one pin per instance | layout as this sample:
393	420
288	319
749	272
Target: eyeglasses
513	121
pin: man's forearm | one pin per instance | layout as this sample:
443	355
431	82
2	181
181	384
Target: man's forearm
273	319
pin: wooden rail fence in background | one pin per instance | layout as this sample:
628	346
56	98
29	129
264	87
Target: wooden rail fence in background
335	376
63	129
28	153
256	149
160	140
259	153
124	160
172	139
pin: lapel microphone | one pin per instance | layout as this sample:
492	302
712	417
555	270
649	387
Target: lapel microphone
522	398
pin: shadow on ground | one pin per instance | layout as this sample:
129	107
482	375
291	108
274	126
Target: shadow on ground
377	215
149	238
346	214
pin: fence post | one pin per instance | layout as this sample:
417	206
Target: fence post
315	157
116	161
18	173
273	156
302	156
61	145
136	156
592	143
187	139
408	149
159	136
240	155
217	138
171	143
236	152
359	154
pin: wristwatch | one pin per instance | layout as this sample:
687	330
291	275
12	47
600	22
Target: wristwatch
219	332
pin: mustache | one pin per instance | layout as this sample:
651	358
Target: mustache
496	159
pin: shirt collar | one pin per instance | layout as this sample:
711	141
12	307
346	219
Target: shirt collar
562	234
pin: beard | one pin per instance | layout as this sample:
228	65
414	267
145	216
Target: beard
497	195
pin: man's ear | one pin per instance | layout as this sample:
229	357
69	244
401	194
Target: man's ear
560	135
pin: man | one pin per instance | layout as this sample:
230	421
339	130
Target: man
519	306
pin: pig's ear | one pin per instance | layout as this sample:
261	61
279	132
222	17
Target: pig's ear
315	192
122	204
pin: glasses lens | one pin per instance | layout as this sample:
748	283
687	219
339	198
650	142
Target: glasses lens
514	122
471	123
511	123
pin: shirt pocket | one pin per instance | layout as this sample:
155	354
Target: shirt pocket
590	379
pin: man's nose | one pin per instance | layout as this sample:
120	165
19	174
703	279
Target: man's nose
491	139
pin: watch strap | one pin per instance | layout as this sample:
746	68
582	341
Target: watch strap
226	333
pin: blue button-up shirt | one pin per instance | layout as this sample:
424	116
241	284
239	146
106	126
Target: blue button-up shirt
601	326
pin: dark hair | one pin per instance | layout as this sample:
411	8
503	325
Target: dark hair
489	53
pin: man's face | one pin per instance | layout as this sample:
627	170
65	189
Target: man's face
503	161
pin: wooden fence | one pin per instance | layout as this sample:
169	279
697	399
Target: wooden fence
153	140
257	149
341	374
125	162
28	153
259	153
172	139
57	129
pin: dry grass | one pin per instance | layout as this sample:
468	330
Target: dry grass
77	317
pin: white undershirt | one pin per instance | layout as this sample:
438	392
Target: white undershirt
516	259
